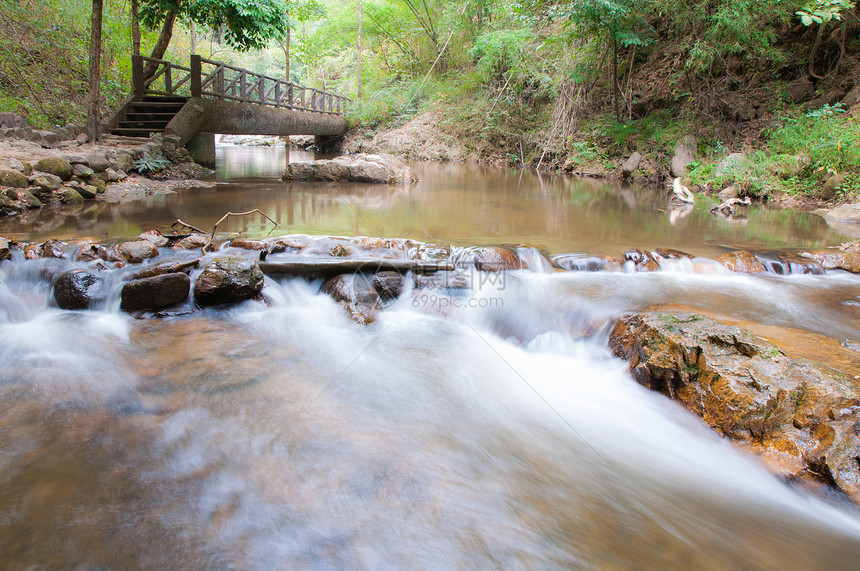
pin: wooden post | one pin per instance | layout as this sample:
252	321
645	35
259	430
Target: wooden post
278	94
137	76
196	76
243	95
290	96
95	55
168	78
262	87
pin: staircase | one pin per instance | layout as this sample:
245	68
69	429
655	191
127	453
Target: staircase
150	114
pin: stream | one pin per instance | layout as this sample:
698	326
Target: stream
483	427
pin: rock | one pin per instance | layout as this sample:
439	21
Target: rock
356	294
12	120
631	164
9	206
69	195
28	199
670	254
14	179
155	293
76	159
87	191
586	263
741	261
82	171
389	285
845	213
594	170
98	161
165	268
48	249
847	260
642	261
255	245
98	183
93	252
749	391
728	193
5	250
78	289
123	163
685	153
191	242
155	237
731	166
851	98
496	259
228	279
57	166
114	176
340	251
356	168
15	165
831	187
47	182
137	251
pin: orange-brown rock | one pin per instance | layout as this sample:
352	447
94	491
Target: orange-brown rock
807	414
741	261
643	261
249	244
191	242
496	259
848	259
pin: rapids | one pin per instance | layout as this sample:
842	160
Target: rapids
480	427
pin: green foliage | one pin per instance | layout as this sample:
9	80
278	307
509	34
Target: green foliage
149	163
823	11
498	52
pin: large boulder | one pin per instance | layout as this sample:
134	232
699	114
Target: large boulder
631	164
386	169
78	289
228	279
836	259
155	293
57	166
137	251
801	416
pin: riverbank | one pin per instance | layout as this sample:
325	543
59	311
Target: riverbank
116	169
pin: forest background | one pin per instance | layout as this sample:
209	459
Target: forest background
527	83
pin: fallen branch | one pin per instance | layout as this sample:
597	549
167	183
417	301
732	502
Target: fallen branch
187	226
214	228
331	268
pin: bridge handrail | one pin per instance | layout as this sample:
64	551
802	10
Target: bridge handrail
227	82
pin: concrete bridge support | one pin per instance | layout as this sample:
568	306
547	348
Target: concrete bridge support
202	149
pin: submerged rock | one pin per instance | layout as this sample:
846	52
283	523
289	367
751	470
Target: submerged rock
642	261
389	285
228	279
77	289
586	263
496	259
165	268
155	293
356	294
386	169
5	250
801	415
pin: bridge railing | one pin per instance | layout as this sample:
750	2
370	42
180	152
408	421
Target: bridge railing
218	80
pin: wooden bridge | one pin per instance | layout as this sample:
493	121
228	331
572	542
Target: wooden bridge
207	97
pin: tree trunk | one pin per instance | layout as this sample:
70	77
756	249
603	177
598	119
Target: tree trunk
286	46
192	32
615	77
135	29
161	45
95	71
360	18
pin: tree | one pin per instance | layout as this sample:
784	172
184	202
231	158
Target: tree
95	55
296	13
247	24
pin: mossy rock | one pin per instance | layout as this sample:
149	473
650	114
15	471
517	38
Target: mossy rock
69	196
14	179
57	166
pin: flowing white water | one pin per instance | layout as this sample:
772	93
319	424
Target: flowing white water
499	434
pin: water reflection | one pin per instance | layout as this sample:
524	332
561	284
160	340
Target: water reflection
452	204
